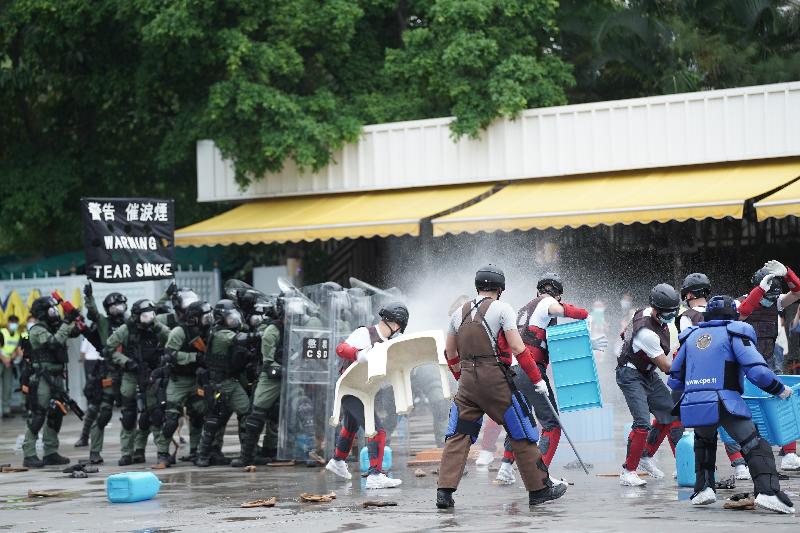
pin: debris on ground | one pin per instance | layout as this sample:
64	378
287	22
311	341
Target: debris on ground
435	472
250	468
79	474
576	465
269	502
726	484
282	463
317	458
317	498
7	469
378	503
420	472
81	467
741	502
433	456
45	493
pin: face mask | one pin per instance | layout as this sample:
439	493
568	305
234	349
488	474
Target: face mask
666	318
233	320
29	325
256	320
12	326
147	317
117	309
766	302
52	313
206	319
625	304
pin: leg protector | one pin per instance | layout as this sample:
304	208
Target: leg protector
655	437
508	454
705	457
128	417
761	462
344	443
36	420
54	420
675	434
144	421
170	424
375	447
92	411
104	416
459	425
254	424
209	433
734	454
548	444
637	440
517	422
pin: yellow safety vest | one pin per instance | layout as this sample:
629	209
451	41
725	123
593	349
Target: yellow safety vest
10	342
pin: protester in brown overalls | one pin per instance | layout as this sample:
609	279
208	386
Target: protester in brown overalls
483	335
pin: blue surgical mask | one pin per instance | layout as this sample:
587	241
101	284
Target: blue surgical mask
12	326
666	318
766	302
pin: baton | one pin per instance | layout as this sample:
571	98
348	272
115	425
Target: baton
564	431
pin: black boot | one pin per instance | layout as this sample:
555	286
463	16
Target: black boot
218	458
125	460
32	462
163	461
95	458
203	461
191	457
54	459
82	441
138	457
444	498
554	492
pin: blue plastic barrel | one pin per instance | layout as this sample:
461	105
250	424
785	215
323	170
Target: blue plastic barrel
387	459
574	369
130	487
684	460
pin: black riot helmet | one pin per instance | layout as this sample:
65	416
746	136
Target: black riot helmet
775	286
721	307
227	315
395	312
198	315
115	304
44	310
550	284
664	299
698	284
490	278
143	312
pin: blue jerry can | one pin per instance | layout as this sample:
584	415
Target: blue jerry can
387	459
129	487
684	460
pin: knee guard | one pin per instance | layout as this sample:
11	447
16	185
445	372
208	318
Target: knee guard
144	421
273	413
128	417
170	424
211	424
92	411
104	417
36	419
54	420
459	425
705	458
761	462
156	417
517	421
548	444
255	421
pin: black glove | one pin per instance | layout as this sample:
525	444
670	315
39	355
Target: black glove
72	316
87	290
275	372
169	358
172	288
131	365
200	358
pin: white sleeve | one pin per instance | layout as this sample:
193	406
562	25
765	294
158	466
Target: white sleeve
455	322
648	342
359	338
508	318
541	315
686	322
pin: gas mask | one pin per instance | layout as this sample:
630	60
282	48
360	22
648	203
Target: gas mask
52	316
117	309
147	317
255	320
206	320
233	319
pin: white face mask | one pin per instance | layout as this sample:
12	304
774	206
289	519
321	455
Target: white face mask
52	312
207	319
147	317
117	309
12	326
29	325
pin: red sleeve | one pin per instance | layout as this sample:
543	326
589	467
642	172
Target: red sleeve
527	364
792	280
345	351
573	311
752	302
454	361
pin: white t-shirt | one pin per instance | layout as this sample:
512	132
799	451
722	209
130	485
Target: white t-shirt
541	314
360	338
647	340
88	350
686	322
500	316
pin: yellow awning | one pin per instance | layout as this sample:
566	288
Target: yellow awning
783	203
656	195
333	216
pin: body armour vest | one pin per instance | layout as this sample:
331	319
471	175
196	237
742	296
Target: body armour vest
640	359
48	353
473	338
693	314
533	338
765	321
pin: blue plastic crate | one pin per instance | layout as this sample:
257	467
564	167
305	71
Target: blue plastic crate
778	421
574	369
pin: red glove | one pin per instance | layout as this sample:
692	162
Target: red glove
527	364
572	311
347	352
451	363
752	302
792	280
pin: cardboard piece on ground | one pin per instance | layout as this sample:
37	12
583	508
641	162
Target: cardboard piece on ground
269	502
420	472
45	493
282	463
250	468
379	503
317	498
12	469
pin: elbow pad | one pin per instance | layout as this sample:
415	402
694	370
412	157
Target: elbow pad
528	365
454	361
792	280
572	311
345	351
751	303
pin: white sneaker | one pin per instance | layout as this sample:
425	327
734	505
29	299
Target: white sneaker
380	481
339	468
505	476
485	458
649	466
631	479
772	503
705	497
790	461
742	473
555	481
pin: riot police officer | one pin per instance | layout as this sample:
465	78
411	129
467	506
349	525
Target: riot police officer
102	387
712	361
225	359
180	298
48	339
136	348
184	355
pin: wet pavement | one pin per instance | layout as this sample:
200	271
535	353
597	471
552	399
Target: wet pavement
193	499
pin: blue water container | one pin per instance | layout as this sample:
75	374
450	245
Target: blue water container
574	369
387	459
130	487
684	460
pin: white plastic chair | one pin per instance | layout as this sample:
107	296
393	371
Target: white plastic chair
391	363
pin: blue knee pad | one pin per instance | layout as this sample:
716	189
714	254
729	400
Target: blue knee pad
459	425
518	424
